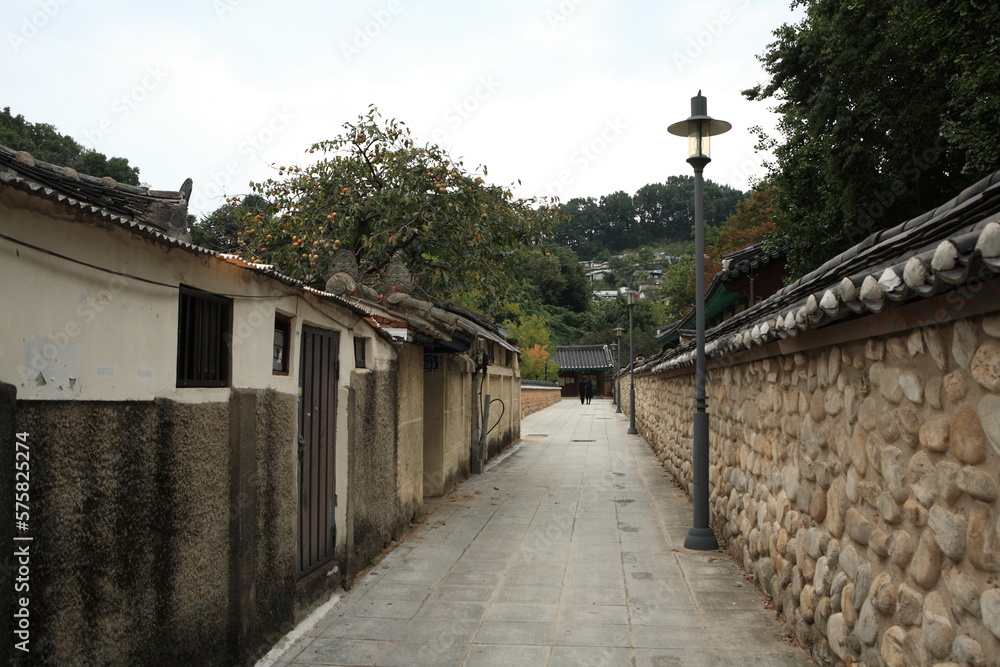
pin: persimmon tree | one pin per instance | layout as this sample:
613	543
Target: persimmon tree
537	364
377	193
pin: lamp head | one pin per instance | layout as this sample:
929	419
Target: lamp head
699	127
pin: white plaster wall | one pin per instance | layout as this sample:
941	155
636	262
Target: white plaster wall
74	332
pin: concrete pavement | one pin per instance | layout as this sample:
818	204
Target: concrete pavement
567	552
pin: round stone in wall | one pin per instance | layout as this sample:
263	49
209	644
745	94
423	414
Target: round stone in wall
985	366
989	602
968	440
963	343
989	417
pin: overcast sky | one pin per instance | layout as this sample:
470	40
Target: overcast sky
572	97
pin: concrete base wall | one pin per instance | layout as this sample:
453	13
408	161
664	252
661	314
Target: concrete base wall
534	399
859	484
374	511
410	438
160	535
505	413
447	433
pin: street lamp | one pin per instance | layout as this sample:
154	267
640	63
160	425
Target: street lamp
614	399
630	295
618	330
698	128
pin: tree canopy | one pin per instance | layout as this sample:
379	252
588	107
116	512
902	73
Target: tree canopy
752	223
656	213
377	193
45	143
887	109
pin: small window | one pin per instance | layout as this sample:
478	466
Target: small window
360	357
204	329
282	344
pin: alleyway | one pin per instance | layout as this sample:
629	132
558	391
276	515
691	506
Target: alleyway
568	552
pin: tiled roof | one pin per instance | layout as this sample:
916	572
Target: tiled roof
146	213
165	210
538	384
161	216
717	298
747	260
583	357
952	245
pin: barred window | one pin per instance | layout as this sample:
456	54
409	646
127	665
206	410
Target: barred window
203	334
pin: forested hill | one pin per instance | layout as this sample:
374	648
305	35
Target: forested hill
657	213
45	143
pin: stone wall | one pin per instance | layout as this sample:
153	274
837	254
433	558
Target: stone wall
535	398
858	483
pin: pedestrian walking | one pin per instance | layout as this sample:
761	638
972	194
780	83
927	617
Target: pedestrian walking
583	392
590	391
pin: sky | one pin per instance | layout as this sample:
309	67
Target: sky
570	97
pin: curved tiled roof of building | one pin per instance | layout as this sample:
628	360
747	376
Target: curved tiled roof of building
149	214
583	357
717	298
955	244
161	216
747	260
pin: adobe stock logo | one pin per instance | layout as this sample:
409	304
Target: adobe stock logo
459	112
207	195
586	154
126	103
34	24
566	9
712	29
364	35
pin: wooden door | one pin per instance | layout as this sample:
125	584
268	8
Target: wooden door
317	438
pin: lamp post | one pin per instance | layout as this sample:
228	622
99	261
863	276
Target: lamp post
698	128
618	330
630	294
614	399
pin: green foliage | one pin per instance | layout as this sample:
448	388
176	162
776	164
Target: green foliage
657	213
532	330
378	194
605	315
45	143
219	229
537	364
887	110
752	223
678	288
554	277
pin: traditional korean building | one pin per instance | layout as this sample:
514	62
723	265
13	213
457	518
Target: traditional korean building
578	363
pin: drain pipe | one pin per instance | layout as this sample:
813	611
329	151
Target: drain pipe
483	432
478	452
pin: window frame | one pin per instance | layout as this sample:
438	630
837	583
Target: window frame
218	326
283	323
361	341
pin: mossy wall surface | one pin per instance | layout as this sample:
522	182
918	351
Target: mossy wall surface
133	517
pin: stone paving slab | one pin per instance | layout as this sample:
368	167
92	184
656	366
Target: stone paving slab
567	552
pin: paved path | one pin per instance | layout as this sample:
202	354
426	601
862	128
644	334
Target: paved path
568	552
